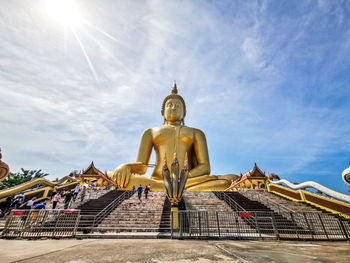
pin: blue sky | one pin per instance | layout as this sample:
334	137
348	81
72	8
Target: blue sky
267	82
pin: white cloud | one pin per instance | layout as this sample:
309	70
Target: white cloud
251	50
240	69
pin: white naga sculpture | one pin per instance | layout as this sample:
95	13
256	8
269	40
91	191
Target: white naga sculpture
346	176
311	184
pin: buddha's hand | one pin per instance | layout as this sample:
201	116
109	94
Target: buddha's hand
122	175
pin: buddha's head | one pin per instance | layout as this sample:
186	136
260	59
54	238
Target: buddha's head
174	107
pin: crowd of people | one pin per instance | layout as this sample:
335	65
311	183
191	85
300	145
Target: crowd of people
70	197
66	198
18	203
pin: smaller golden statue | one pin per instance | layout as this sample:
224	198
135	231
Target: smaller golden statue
175	184
4	169
173	137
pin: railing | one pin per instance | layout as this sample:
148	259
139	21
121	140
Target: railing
108	209
41	223
89	195
255	195
297	217
229	200
279	208
230	225
192	225
234	205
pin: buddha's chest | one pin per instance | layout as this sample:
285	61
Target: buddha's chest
171	135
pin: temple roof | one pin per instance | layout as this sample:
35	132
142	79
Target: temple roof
255	172
92	170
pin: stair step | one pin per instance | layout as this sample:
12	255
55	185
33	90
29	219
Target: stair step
135	216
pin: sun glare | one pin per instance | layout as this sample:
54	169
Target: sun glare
64	12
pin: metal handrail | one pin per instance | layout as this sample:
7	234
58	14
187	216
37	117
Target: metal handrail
231	200
41	223
101	215
318	226
236	206
287	212
281	209
270	201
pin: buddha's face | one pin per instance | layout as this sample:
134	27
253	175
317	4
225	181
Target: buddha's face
174	110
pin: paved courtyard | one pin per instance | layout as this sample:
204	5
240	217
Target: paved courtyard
146	250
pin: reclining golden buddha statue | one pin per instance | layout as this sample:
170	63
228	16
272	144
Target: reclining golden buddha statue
172	138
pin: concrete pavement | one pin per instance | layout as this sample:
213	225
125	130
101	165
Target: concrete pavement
158	250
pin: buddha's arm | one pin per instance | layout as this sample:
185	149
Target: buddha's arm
123	173
144	152
201	151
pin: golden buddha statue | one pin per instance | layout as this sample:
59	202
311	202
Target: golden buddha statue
172	138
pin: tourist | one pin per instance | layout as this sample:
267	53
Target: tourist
29	204
84	190
56	199
72	175
67	197
8	203
147	189
53	193
76	191
86	185
39	206
139	192
18	201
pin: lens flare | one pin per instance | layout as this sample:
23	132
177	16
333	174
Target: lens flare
64	12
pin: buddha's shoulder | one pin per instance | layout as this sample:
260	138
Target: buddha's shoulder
193	130
165	127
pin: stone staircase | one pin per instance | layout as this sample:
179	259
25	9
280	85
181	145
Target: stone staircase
304	215
91	194
214	213
164	225
266	219
204	201
134	215
269	199
91	208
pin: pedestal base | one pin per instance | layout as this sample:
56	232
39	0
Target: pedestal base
174	216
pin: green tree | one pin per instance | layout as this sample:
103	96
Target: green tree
21	177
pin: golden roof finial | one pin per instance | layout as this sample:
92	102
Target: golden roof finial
174	89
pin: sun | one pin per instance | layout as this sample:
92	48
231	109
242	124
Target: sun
64	12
